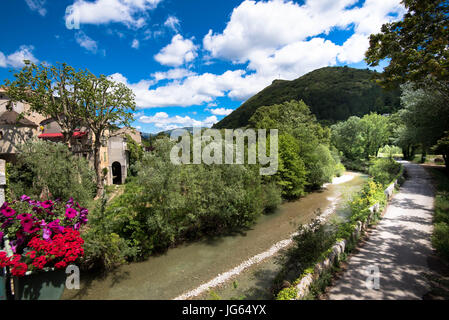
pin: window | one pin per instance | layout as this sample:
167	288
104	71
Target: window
104	157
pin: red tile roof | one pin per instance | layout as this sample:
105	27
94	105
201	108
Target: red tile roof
76	134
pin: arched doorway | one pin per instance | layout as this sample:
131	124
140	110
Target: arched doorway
116	173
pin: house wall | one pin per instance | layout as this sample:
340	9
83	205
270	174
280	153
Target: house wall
19	107
12	136
117	152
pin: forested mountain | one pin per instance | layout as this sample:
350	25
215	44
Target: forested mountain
332	93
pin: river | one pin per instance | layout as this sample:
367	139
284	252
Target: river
197	265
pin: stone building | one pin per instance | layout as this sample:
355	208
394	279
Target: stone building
16	129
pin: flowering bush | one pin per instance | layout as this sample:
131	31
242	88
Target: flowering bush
41	234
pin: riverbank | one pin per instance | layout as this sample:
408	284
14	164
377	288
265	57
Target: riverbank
189	266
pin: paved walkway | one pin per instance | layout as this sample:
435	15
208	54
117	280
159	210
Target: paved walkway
399	246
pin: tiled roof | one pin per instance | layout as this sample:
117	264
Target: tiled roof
13	118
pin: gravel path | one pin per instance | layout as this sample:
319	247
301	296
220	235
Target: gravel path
399	247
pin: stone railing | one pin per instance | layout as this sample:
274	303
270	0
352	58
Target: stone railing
303	287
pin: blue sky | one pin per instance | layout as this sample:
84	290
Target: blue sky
191	62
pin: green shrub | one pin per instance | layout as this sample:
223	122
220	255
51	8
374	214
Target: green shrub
51	169
287	294
272	197
321	167
309	246
440	239
441	213
166	203
292	172
384	170
103	248
339	169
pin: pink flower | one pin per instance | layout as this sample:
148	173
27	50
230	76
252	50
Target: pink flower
28	225
71	213
25	198
46	234
46	204
8	212
55	227
23	216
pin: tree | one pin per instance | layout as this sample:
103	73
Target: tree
361	138
75	98
292	172
417	46
53	91
347	138
424	117
442	147
135	153
375	132
305	159
107	105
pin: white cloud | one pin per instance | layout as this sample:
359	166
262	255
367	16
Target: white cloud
353	50
194	90
177	73
129	12
16	59
135	44
295	59
2	60
178	52
256	27
86	42
163	121
270	40
172	23
220	111
257	31
37	5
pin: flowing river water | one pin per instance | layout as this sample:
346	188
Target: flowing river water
240	265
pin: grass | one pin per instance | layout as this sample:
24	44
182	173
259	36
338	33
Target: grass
440	236
430	159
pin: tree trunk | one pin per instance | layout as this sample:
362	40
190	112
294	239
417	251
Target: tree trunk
405	153
66	137
446	161
423	156
412	153
100	185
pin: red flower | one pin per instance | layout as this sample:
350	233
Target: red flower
60	265
31	254
40	262
4	259
19	269
15	259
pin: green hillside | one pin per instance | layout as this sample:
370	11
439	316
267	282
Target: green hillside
333	93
